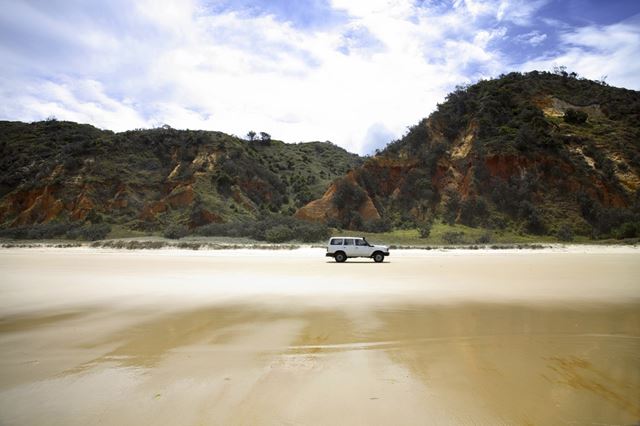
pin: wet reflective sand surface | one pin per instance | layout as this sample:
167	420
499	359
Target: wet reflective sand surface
167	337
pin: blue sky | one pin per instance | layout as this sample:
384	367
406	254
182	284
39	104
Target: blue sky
356	72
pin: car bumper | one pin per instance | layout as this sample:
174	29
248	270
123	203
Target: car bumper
329	254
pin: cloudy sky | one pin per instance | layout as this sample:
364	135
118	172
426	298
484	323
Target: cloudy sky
356	72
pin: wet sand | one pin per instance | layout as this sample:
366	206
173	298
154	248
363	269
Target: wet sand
260	337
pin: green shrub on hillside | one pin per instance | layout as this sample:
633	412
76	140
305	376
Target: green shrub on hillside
485	238
574	116
628	230
348	196
377	225
71	230
565	233
310	232
176	231
38	231
453	237
93	232
532	218
451	207
474	211
272	229
425	230
279	234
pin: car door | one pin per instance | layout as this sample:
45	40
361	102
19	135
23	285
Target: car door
361	247
350	247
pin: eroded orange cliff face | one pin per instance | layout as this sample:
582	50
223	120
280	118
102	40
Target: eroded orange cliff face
324	209
462	167
33	206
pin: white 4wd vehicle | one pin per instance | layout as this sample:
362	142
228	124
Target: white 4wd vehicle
341	248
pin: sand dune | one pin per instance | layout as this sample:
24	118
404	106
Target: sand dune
259	337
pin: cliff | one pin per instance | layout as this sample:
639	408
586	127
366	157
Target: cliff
56	171
535	152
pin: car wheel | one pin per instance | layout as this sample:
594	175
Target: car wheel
378	257
340	257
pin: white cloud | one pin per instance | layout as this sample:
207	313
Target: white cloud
533	38
174	62
597	51
377	137
395	9
79	100
520	12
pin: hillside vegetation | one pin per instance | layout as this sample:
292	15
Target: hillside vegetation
537	153
62	178
524	157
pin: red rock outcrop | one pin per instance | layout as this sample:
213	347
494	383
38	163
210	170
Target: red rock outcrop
82	206
202	217
33	206
323	209
150	211
180	197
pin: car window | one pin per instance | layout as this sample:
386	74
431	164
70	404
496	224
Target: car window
348	241
361	243
336	242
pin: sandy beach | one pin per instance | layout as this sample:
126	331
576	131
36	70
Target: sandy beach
170	337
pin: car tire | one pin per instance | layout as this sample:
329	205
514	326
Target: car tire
378	257
340	257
